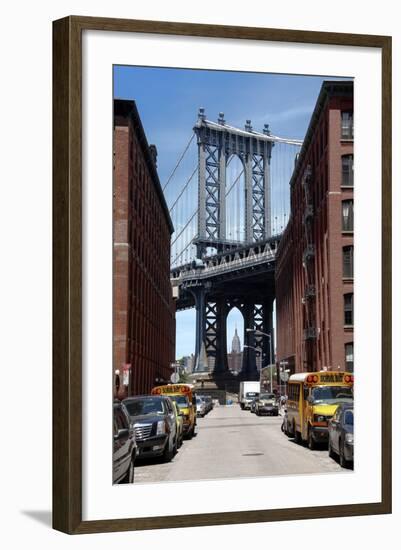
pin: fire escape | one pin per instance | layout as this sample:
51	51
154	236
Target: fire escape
309	317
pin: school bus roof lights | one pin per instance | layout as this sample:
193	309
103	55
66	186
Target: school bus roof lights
323	377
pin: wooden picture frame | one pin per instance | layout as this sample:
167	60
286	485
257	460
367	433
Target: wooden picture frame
67	273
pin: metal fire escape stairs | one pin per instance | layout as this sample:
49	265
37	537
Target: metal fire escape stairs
310	332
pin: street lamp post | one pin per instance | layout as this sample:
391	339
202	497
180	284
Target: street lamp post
256	331
286	373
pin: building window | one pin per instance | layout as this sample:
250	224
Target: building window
348	215
348	262
349	357
347	179
348	309
347	125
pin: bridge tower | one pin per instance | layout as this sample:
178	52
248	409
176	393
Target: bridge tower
216	143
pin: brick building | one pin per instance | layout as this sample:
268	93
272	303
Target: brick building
143	307
314	271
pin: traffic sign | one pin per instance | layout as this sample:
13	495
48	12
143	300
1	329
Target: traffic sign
284	376
175	377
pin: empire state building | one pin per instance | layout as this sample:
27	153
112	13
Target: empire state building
234	358
236	344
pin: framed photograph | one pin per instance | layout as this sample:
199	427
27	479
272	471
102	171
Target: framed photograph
221	272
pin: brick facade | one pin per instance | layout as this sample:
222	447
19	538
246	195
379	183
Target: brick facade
314	275
143	307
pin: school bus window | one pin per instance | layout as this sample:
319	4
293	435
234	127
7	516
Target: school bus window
306	393
330	393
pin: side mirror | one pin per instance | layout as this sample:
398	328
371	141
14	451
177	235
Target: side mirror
121	433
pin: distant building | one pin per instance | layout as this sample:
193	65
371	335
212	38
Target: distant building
143	307
314	264
236	343
188	362
234	358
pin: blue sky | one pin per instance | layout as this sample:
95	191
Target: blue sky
168	101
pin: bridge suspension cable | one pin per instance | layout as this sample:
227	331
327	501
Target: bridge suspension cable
182	193
178	256
184	228
183	189
234	182
179	161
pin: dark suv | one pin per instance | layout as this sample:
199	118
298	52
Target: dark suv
124	446
155	425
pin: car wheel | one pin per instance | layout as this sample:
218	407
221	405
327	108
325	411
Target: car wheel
343	461
286	431
168	452
129	476
191	433
331	452
297	435
311	441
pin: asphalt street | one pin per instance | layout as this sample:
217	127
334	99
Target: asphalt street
232	443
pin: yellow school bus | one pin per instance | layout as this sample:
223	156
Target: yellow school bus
184	396
313	398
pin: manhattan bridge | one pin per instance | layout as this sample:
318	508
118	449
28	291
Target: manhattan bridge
228	197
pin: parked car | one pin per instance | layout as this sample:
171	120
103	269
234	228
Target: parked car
247	399
341	434
266	404
155	425
252	406
200	407
179	420
124	445
208	401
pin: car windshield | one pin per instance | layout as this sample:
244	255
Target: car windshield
331	394
349	418
266	396
181	400
151	405
252	395
199	401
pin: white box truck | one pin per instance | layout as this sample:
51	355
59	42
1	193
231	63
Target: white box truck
247	393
